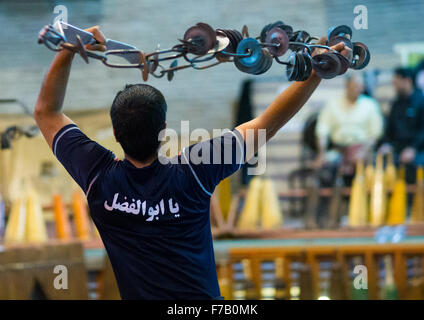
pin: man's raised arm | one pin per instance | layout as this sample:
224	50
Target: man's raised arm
283	108
48	109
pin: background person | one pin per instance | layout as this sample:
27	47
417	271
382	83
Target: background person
404	132
349	125
419	76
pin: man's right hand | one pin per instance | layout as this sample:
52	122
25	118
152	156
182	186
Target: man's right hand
340	47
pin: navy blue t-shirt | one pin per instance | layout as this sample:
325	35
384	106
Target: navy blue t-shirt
154	221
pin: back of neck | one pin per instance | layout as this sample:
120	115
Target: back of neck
141	164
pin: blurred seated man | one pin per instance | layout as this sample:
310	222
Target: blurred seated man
419	76
404	134
348	127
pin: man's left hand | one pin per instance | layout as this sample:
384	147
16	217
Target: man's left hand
100	38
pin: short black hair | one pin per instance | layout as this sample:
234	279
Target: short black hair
138	115
405	73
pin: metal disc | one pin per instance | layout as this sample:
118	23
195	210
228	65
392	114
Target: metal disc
170	74
278	36
266	63
237	35
252	46
300	36
223	32
229	48
211	31
337	39
345	63
291	71
300	66
288	29
361	56
280	24
339	31
258	68
264	32
240	66
277	23
200	38
308	66
256	63
326	65
221	43
237	38
234	40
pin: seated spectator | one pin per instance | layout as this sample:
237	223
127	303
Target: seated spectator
349	125
404	133
419	76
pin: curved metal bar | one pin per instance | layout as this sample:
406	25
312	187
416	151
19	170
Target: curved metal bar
173	57
319	46
121	65
44	38
158	76
240	55
176	68
206	67
97	56
198	60
265	44
281	62
301	44
49	46
161	73
159	52
50	29
309	46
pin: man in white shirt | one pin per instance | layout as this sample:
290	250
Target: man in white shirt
351	124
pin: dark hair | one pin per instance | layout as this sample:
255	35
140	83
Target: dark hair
404	73
138	115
